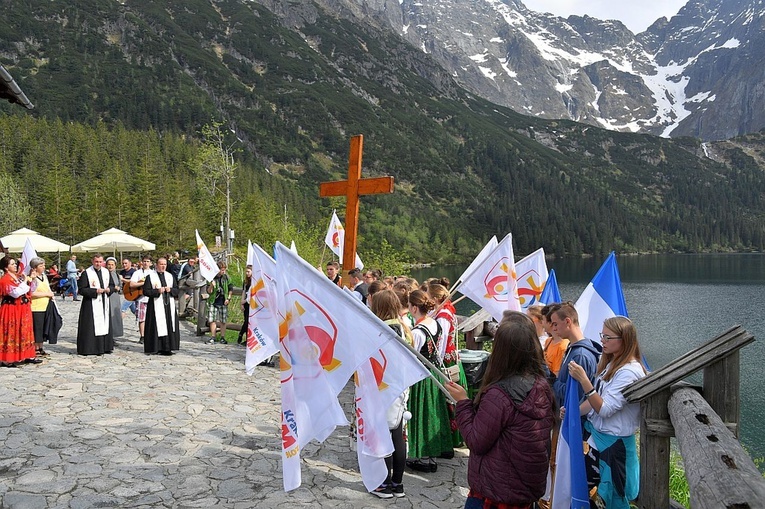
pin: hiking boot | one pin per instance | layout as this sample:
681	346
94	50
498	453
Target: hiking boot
383	491
223	340
211	341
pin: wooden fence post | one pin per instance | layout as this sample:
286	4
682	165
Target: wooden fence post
654	452
721	389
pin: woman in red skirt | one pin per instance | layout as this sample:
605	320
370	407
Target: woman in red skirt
17	338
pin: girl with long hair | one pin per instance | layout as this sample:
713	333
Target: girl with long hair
429	431
446	316
507	425
611	421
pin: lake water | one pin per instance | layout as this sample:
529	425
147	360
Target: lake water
678	302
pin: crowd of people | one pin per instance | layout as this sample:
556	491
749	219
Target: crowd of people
510	424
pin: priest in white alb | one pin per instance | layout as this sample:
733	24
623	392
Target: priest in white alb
94	335
161	331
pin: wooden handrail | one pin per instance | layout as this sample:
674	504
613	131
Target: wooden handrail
719	472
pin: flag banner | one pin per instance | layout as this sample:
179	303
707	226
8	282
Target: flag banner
26	256
492	284
601	299
343	331
293	247
207	266
305	415
250	254
532	275
380	382
325	335
263	320
335	240
488	248
570	475
551	293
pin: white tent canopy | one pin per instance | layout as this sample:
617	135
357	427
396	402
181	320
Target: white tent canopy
113	240
15	242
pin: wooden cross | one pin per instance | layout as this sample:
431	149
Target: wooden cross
352	188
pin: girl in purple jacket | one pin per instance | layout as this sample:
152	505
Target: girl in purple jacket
507	427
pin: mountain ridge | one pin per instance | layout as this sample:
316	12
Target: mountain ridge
294	83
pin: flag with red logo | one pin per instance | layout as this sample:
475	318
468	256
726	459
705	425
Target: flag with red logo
207	266
326	335
310	409
335	239
26	256
379	383
263	319
492	284
531	276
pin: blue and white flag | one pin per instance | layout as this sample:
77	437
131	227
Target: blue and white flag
570	475
602	299
550	293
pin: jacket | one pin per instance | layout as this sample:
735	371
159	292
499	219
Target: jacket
584	352
509	439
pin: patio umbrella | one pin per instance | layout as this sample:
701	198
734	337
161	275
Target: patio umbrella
15	241
113	240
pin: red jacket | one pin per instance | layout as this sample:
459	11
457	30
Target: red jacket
509	439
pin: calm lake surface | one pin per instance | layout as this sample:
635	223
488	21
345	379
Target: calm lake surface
677	303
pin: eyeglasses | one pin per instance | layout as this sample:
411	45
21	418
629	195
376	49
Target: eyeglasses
606	337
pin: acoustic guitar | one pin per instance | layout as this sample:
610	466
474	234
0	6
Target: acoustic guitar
131	294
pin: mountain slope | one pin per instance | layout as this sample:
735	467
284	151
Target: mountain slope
676	79
294	83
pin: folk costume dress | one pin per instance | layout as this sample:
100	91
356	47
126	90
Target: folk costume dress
17	337
429	432
162	328
447	351
94	335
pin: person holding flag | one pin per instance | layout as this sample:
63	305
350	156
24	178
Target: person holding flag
611	421
429	430
507	426
582	350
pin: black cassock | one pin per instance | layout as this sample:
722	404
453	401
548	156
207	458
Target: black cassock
152	341
87	341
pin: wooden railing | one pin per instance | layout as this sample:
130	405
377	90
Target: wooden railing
721	475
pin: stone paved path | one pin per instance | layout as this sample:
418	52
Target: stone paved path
191	430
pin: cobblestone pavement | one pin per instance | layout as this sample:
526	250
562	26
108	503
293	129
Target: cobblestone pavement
191	430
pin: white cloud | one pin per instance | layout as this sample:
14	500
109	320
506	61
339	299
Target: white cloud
637	15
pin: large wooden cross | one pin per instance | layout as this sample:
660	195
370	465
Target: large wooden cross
352	188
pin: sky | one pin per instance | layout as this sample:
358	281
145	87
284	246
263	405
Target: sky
637	15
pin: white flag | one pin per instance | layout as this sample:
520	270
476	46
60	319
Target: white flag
531	276
207	266
335	240
26	256
293	247
380	382
323	342
263	320
487	249
492	284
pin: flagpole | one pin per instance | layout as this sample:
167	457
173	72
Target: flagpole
431	368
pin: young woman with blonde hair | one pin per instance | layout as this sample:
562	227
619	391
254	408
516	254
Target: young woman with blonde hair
611	421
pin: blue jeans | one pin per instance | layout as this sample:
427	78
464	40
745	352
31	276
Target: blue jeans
128	304
72	287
